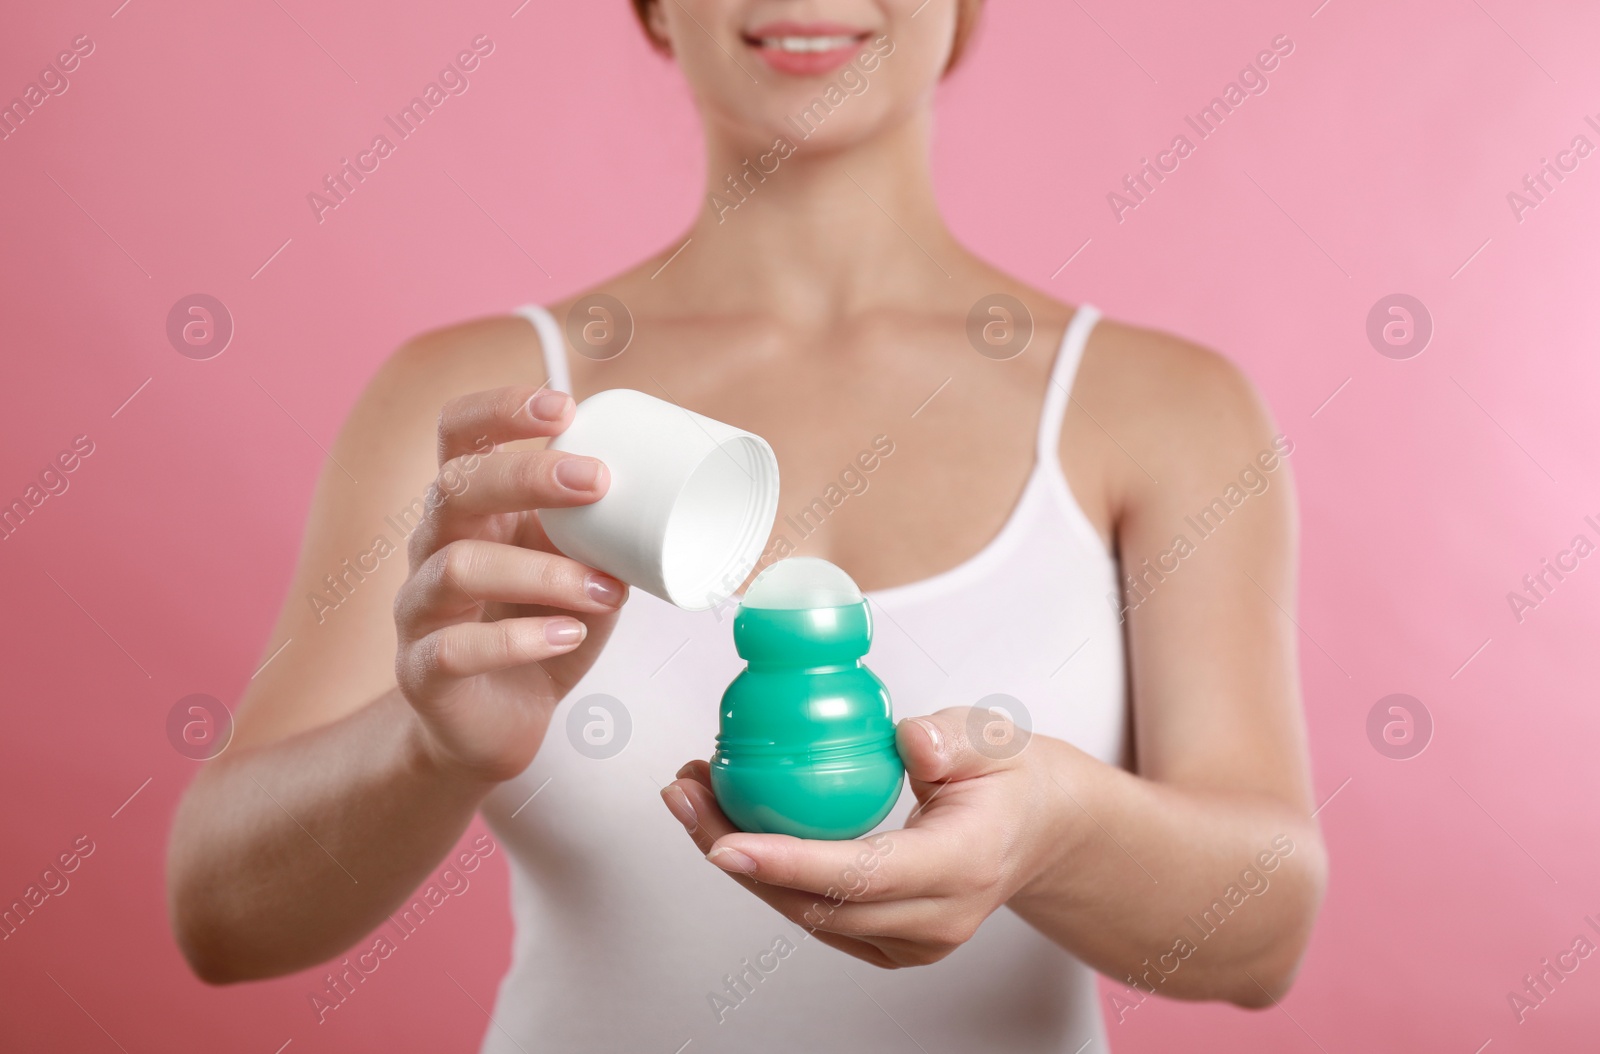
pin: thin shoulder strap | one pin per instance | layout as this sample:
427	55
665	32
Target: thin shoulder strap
552	344
1062	373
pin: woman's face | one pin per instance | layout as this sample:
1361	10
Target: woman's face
819	73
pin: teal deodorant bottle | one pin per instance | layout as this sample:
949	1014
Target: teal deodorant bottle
806	740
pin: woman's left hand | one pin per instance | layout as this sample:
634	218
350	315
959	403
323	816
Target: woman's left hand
987	823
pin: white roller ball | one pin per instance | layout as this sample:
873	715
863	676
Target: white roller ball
802	582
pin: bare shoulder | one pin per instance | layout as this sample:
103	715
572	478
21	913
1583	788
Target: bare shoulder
465	356
1170	414
401	403
1168	388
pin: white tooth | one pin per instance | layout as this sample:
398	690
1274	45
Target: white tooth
806	44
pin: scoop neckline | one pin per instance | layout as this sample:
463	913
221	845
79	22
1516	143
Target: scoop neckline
1004	540
1046	471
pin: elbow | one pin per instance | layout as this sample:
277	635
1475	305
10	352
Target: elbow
224	923
217	950
195	908
207	956
219	953
199	936
1264	989
1267	981
208	966
1270	975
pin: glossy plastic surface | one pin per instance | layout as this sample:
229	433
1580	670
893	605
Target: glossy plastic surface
806	745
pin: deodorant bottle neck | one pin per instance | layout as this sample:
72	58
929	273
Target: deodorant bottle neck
802	638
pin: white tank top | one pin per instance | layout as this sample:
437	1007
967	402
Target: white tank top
628	940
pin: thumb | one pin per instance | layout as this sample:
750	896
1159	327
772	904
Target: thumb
959	742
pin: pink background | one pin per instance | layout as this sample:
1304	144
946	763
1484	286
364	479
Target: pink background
1378	162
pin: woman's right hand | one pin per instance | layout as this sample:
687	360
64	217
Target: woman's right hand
494	625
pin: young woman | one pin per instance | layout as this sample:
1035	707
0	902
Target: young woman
1080	557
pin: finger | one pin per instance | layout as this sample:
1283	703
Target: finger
959	743
481	420
694	806
519	480
467	492
776	861
867	952
912	932
692	802
699	771
891	865
467	649
920	919
467	574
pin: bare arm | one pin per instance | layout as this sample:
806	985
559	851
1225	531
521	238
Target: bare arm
286	853
1221	867
1202	895
418	675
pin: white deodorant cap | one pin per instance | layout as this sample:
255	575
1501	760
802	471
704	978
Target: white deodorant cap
691	503
802	582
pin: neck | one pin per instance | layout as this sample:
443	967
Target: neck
812	233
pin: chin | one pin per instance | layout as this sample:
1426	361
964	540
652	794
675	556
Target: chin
811	135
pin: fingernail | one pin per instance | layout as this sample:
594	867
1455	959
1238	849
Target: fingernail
679	805
578	473
732	860
549	405
603	589
933	734
563	632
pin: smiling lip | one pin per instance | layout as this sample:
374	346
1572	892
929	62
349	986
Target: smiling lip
805	49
